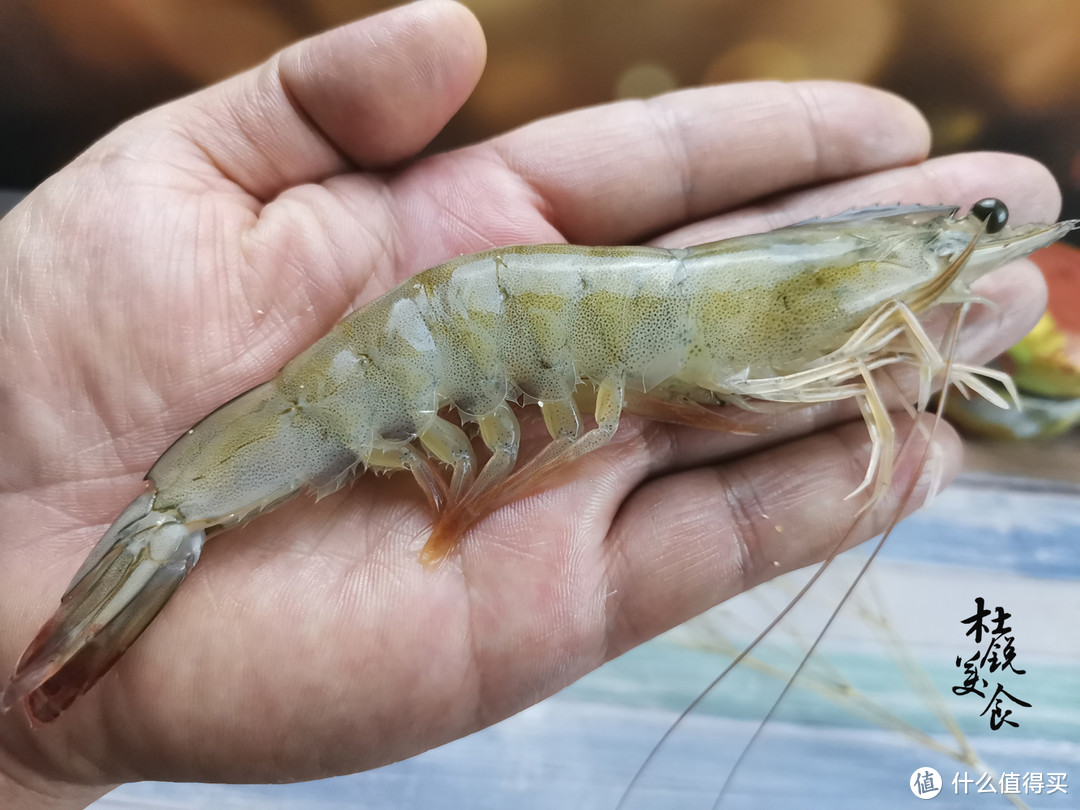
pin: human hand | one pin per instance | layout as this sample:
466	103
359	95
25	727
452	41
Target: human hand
190	253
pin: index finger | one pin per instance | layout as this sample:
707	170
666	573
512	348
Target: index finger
621	172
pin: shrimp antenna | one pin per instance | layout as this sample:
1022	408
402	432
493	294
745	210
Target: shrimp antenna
735	662
749	648
893	521
909	490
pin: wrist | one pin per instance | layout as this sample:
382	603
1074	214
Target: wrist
25	787
43	795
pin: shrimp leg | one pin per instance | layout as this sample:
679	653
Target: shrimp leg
449	444
496	486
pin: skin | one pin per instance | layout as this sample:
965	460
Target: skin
194	250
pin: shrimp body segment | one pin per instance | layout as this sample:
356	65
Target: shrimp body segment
801	314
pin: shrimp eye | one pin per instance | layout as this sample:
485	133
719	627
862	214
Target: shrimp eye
992	212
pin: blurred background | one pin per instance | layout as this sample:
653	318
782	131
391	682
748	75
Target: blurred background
989	74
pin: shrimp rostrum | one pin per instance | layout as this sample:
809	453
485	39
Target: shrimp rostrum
805	314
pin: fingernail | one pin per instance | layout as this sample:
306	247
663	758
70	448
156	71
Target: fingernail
933	472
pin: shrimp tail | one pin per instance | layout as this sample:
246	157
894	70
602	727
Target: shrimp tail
135	568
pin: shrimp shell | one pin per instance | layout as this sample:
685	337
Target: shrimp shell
803	314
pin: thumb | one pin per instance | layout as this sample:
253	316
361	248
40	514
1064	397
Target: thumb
368	94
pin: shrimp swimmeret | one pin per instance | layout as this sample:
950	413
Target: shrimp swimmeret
803	314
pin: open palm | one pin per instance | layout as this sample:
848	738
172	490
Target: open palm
190	253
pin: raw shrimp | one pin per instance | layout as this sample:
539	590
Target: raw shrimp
803	314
